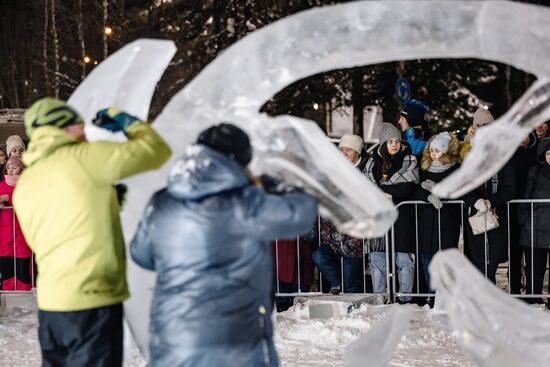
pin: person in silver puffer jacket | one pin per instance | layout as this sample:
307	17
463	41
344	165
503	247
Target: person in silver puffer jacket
207	235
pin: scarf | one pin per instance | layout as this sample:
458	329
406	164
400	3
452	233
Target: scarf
438	167
11	180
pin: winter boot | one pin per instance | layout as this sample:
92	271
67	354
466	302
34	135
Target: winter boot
335	290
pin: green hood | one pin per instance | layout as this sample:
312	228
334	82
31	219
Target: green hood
45	141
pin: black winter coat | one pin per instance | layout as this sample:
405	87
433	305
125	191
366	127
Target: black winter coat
538	187
497	239
523	160
428	218
405	224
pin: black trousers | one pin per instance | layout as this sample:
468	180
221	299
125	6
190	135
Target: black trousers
491	270
23	266
81	338
536	264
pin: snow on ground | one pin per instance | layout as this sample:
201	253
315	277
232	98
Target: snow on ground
300	340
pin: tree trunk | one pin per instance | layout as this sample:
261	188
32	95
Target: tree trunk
45	48
55	52
14	83
81	39
105	16
358	101
507	73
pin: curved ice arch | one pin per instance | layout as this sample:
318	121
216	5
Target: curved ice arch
236	84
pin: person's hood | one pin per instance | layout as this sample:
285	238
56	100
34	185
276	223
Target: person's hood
544	145
203	172
532	141
44	142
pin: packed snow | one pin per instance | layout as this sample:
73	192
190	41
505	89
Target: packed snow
300	341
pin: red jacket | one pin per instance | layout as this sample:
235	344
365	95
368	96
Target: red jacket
8	231
285	256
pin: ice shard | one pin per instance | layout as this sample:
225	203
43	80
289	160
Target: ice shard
493	328
126	79
494	145
376	347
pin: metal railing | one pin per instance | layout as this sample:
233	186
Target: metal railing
389	240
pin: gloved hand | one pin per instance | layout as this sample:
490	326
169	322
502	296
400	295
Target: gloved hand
427	185
121	194
482	205
114	120
436	202
273	186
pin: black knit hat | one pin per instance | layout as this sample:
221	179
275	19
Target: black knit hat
229	140
414	111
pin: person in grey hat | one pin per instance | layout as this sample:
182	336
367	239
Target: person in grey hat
395	170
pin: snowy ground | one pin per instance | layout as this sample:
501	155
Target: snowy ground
300	340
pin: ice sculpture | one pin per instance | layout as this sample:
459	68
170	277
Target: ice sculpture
376	347
238	82
494	145
493	328
126	79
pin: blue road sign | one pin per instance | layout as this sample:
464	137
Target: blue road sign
403	90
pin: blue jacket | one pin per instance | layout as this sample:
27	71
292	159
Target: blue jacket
417	139
207	236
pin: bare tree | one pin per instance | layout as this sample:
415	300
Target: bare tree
81	39
55	50
105	16
45	46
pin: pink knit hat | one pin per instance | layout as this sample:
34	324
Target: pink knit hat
14	161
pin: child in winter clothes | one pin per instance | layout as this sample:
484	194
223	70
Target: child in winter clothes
437	229
538	187
12	242
394	169
414	126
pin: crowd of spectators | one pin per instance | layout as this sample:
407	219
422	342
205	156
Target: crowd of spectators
407	162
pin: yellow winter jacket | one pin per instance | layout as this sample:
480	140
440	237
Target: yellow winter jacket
68	210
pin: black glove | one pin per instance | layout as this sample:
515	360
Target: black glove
121	194
273	186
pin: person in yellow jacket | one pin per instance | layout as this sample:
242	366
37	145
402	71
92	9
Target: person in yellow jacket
67	206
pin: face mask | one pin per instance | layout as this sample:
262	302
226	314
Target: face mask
11	180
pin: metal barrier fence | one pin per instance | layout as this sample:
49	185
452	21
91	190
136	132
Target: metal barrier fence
17	271
311	289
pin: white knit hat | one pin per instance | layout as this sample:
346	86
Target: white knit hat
482	117
441	142
354	142
12	142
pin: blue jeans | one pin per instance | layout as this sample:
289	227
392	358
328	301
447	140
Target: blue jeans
329	264
405	270
425	262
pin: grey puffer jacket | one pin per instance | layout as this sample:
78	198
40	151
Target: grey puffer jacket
207	236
